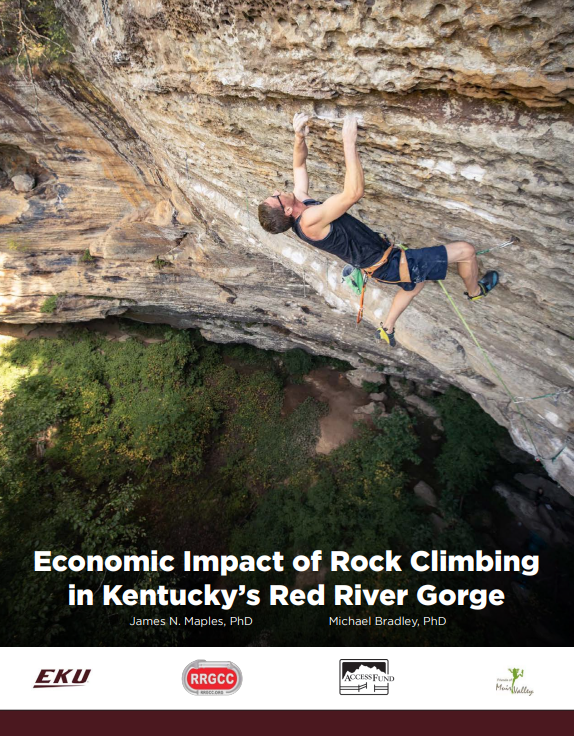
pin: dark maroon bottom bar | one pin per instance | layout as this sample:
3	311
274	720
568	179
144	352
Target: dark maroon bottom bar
276	722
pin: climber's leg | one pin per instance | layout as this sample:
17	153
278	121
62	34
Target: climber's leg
464	255
400	303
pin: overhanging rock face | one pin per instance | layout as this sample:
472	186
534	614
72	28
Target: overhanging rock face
150	154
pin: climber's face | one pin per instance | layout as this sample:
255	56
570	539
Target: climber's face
282	200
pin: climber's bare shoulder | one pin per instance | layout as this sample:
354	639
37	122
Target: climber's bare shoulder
316	220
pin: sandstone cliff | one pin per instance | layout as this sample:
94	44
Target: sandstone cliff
149	152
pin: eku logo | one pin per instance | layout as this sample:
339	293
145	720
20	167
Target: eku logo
62	678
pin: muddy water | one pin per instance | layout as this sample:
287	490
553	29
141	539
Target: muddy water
330	386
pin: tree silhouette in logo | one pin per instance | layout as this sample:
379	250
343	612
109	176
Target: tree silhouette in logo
515	675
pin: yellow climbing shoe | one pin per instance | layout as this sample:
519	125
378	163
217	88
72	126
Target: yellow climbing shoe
388	337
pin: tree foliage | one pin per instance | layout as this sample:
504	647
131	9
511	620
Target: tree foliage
32	31
470	446
113	447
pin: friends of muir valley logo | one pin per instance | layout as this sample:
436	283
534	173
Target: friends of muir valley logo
512	685
364	677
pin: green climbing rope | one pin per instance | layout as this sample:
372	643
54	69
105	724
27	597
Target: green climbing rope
543	396
500	378
558	453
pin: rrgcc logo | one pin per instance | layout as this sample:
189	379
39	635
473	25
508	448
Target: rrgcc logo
212	678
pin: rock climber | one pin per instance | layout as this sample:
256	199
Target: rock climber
327	226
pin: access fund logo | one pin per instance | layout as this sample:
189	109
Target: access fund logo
364	677
62	678
212	678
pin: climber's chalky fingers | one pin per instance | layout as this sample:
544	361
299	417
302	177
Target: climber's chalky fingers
300	120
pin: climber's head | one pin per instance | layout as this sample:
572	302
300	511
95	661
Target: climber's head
276	212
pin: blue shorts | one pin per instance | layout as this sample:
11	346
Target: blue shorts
425	264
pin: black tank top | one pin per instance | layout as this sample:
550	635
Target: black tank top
349	239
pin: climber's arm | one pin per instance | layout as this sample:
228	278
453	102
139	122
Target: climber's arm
316	220
300	176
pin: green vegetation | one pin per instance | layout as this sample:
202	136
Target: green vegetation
348	500
14	244
32	32
159	263
297	362
370	387
356	500
118	448
87	257
49	304
470	446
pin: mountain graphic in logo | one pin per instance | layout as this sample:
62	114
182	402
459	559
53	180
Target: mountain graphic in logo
352	665
364	677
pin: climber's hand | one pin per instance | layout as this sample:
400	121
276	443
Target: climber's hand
300	120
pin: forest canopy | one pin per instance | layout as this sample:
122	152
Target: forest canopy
164	441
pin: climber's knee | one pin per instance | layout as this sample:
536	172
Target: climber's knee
460	251
469	251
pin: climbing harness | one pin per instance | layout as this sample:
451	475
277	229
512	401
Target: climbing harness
404	273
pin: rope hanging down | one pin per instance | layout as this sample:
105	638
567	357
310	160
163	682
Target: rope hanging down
496	372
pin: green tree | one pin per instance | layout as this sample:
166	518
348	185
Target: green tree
469	449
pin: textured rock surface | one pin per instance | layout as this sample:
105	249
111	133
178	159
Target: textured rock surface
23	182
550	526
426	493
402	387
421	405
551	493
151	153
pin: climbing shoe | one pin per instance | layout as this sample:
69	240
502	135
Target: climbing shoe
388	337
486	284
